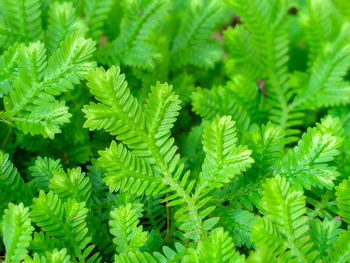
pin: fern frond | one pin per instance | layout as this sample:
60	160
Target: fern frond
11	183
238	223
30	104
328	72
17	232
161	109
42	171
224	159
306	164
96	13
324	235
169	255
341	249
32	63
22	22
285	214
128	236
267	23
217	248
147	135
73	184
135	257
54	256
219	101
266	235
118	112
192	44
8	69
64	220
284	114
343	199
319	25
46	119
282	203
267	144
133	46
62	21
130	171
68	64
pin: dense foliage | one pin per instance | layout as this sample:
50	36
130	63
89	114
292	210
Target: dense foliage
174	131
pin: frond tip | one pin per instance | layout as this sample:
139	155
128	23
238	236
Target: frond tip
124	227
224	159
17	232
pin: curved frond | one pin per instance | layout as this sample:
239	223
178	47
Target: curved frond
192	44
64	220
22	22
124	226
118	112
224	159
219	101
8	69
17	232
341	248
127	172
343	199
11	183
62	21
73	184
327	85
217	248
68	64
133	46
307	164
30	104
285	213
324	235
267	144
42	171
96	13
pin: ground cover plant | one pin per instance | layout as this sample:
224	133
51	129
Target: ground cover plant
174	131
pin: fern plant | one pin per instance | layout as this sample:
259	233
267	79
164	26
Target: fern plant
174	131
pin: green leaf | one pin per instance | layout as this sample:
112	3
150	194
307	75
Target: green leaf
307	164
218	248
224	159
128	236
192	44
42	171
62	21
324	235
343	199
17	232
73	184
341	248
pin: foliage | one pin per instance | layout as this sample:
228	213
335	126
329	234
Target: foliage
174	131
